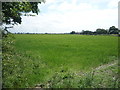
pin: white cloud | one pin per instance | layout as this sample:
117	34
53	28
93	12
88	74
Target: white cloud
50	1
73	7
113	4
64	16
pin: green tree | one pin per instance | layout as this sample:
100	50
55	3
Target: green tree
12	11
113	30
101	31
87	32
73	32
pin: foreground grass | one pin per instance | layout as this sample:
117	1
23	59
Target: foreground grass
105	76
38	57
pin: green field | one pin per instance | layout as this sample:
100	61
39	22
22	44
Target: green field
43	55
75	52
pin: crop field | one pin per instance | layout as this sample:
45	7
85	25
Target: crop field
42	55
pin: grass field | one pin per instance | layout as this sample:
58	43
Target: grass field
75	51
43	55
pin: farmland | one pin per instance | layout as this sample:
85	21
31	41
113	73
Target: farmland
41	56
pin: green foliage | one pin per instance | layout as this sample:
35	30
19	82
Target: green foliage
101	31
16	9
7	43
73	32
87	32
18	69
113	30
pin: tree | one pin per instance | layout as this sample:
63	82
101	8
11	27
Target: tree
87	32
12	11
101	31
73	32
113	30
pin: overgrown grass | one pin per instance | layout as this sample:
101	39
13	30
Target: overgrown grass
37	58
19	69
106	77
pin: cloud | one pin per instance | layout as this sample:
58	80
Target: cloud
113	4
68	15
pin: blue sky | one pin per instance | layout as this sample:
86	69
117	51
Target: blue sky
64	16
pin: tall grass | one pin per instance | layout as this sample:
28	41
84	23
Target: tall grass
102	78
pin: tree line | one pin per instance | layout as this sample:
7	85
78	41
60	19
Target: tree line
111	30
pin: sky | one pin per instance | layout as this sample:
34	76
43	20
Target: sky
64	16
